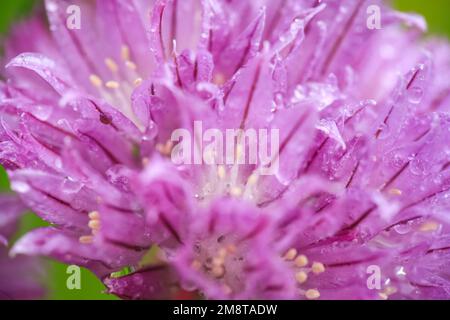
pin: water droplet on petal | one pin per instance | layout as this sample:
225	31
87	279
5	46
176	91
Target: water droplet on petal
151	132
282	178
58	163
20	186
51	6
419	167
415	95
71	186
402	228
43	112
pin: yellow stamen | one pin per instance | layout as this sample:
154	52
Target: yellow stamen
383	295
95	80
429	226
94	224
395	192
221	171
131	65
312	294
236	191
290	254
301	277
138	82
94	215
318	267
390	290
86	239
239	152
112	65
301	261
125	53
112	85
252	180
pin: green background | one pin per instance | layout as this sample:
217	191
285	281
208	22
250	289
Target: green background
435	11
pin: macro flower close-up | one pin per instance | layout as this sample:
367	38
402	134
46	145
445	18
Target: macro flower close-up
225	149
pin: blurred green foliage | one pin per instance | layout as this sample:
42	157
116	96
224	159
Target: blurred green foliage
91	286
435	11
4	184
11	10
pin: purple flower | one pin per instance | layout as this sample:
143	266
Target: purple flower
358	208
28	272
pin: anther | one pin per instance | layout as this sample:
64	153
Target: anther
112	85
125	53
390	290
94	215
429	226
383	296
301	261
131	65
94	224
95	80
290	254
395	192
252	180
312	294
218	271
86	239
236	191
221	171
317	267
112	65
301	277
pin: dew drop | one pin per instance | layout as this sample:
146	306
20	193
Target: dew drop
71	186
282	178
151	132
418	167
42	112
51	6
402	228
20	186
400	271
415	95
58	163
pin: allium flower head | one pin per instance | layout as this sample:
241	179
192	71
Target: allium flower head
362	183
